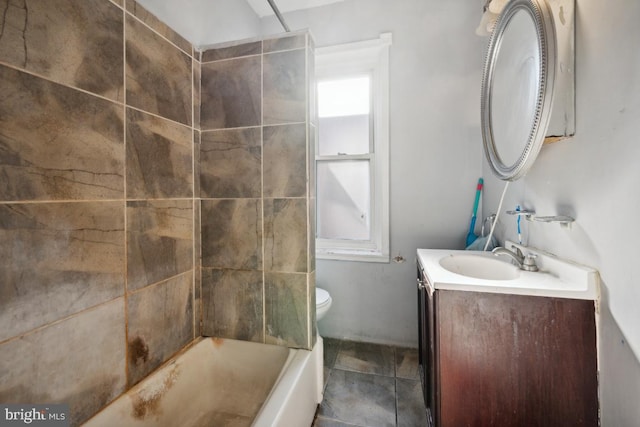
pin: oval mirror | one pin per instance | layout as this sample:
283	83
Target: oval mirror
517	87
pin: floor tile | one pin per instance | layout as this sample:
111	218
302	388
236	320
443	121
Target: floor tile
360	399
360	389
326	422
326	372
410	405
407	363
366	358
331	348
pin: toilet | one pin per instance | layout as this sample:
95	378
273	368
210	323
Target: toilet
323	303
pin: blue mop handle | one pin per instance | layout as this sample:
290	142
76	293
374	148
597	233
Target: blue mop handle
475	205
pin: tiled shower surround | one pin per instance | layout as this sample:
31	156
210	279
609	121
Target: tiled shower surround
256	195
112	190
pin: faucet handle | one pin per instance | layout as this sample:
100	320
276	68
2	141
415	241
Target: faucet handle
529	262
517	251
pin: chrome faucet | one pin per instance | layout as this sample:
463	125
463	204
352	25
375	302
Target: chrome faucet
527	263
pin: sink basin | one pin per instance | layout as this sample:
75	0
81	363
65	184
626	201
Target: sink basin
480	267
474	271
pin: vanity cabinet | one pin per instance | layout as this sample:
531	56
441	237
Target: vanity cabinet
491	359
426	350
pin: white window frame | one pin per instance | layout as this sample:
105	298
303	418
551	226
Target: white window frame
366	57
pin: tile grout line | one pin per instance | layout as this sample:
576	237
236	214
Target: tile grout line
262	246
124	192
249	55
68	201
124	8
193	194
93	94
58	321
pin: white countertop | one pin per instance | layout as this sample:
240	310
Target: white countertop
556	278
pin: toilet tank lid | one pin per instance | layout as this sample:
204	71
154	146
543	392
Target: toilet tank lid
322	296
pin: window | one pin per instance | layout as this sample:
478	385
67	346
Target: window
352	153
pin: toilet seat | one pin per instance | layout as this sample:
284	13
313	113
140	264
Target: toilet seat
322	297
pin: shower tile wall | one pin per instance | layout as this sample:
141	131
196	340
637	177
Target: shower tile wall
99	227
103	164
256	164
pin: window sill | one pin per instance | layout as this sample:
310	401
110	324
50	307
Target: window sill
352	255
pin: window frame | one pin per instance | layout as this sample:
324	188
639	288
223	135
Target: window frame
370	57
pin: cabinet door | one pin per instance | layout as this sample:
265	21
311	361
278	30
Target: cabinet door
508	360
423	337
426	348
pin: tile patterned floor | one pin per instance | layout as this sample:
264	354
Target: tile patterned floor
370	385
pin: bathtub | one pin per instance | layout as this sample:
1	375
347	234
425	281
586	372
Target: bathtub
224	383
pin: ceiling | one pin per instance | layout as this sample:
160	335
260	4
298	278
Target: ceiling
262	8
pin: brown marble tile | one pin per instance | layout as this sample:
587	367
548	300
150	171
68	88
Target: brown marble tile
158	74
74	42
285	87
197	249
312	105
197	98
232	234
197	167
232	304
285	161
159	241
311	278
231	163
311	191
197	236
57	259
159	157
158	26
57	142
311	161
296	41
119	2
285	235
231	93
79	361
286	319
160	322
311	235
236	51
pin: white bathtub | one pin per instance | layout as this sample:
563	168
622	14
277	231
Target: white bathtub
224	383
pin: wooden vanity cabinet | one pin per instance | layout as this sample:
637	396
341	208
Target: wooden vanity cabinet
510	360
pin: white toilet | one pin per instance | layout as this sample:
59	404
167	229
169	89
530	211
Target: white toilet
323	303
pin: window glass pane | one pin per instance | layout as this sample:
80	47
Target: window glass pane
345	135
344	204
343	108
344	97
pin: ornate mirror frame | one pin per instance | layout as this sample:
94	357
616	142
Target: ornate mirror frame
536	125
